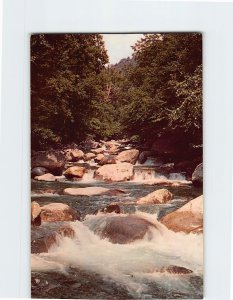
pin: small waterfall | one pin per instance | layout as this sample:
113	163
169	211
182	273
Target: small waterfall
151	161
146	173
89	175
177	176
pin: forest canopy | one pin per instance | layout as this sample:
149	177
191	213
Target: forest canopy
76	94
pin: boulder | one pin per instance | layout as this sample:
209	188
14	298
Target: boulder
143	156
157	197
120	229
175	270
35	214
55	212
87	191
73	154
115	172
89	156
98	150
197	176
46	177
108	159
38	171
45	241
111	208
99	157
74	172
54	161
188	218
129	156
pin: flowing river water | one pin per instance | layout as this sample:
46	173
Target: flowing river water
88	267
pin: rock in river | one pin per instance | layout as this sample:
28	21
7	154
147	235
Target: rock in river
46	177
38	171
120	229
115	172
54	161
74	172
188	218
87	191
157	197
129	156
197	176
54	212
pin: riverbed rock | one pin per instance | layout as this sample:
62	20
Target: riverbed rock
75	171
54	161
89	156
38	171
46	177
120	229
55	212
142	158
99	157
35	214
197	176
115	172
98	150
87	191
129	156
45	241
111	208
188	218
157	197
73	154
108	159
175	270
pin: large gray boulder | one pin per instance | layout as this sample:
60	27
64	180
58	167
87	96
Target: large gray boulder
197	176
54	161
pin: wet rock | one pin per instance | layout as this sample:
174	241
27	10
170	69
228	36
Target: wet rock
120	229
46	177
54	161
87	191
74	172
188	218
111	208
129	156
115	172
46	241
157	197
89	156
38	171
54	212
176	270
143	156
108	159
197	176
35	214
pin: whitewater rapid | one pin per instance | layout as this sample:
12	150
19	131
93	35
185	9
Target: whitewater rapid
134	266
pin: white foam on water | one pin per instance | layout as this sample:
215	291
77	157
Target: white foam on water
132	265
177	176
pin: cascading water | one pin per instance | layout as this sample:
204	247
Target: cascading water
136	266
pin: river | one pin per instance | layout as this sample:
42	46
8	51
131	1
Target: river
88	267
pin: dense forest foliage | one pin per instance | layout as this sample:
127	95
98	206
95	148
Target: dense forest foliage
76	95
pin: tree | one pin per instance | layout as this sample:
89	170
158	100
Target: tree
63	71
